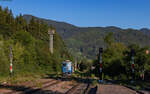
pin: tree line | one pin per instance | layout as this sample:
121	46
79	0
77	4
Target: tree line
30	47
117	60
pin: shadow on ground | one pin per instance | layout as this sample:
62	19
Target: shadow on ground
30	90
93	90
66	78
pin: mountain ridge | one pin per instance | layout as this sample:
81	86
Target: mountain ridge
91	38
30	15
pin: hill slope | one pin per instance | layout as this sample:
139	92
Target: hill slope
88	39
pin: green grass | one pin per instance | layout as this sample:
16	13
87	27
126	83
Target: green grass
15	79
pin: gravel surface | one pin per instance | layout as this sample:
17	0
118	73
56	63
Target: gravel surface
21	87
59	88
145	92
114	89
63	86
4	91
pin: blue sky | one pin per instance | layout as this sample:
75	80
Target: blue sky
83	13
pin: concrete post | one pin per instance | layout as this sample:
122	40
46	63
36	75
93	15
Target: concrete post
51	39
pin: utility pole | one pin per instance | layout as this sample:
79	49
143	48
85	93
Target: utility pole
133	66
11	60
51	33
100	62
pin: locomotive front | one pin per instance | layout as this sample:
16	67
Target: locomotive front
67	67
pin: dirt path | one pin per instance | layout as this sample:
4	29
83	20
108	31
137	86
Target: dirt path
145	92
114	89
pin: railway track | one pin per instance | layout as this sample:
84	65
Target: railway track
40	90
78	89
50	87
34	89
43	87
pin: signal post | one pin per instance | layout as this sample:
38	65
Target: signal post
101	64
11	60
132	65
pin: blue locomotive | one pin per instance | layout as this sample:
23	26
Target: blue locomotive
67	67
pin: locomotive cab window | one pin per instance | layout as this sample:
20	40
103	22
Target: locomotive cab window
64	64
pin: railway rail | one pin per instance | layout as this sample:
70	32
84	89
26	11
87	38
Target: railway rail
50	84
34	89
61	86
78	89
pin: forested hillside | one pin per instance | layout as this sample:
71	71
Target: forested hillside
87	40
29	44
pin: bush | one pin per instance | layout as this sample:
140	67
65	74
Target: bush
93	76
123	77
107	77
94	82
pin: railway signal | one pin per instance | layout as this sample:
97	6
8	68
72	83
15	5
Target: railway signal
142	74
132	64
11	60
75	65
147	52
101	64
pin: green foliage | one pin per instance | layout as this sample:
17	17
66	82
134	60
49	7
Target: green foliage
117	60
23	37
93	76
3	60
85	65
30	46
94	82
91	38
109	38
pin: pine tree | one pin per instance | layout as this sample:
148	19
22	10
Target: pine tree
21	23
